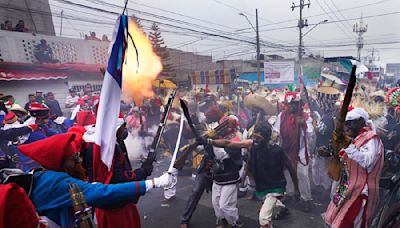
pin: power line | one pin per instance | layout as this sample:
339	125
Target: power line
333	20
245	39
340	12
342	22
183	15
322	14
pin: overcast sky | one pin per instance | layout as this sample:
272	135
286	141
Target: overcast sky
277	24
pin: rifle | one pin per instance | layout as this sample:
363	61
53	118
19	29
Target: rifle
338	137
83	213
185	150
152	156
207	147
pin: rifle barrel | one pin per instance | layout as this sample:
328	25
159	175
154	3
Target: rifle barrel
348	95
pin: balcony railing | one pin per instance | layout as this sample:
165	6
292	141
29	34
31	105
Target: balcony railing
19	47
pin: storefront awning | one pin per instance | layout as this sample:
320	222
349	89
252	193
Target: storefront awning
21	75
29	71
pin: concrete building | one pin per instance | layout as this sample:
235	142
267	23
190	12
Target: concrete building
21	74
393	69
35	13
184	63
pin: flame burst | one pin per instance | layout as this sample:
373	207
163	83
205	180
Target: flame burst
137	82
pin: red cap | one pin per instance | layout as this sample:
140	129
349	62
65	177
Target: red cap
35	106
78	141
84	118
16	209
51	152
10	118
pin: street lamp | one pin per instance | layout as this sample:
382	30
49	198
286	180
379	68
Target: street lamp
257	42
248	20
321	22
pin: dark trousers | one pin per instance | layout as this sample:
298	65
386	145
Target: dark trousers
200	184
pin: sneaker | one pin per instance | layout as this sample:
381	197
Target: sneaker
168	200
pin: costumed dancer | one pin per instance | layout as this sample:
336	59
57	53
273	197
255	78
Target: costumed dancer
16	208
392	137
357	195
60	158
8	159
266	165
295	128
326	98
226	178
203	178
119	214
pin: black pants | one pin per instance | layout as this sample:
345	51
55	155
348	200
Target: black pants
200	184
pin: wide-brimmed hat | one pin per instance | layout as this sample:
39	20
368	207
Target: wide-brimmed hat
18	108
327	97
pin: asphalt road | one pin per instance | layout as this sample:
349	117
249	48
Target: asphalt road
154	214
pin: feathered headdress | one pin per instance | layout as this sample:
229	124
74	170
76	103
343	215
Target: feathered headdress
393	97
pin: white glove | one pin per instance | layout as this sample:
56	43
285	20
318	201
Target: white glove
158	182
163	181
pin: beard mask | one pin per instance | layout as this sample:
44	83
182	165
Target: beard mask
76	171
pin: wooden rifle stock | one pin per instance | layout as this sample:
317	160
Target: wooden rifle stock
185	150
338	137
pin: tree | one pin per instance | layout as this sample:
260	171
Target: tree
137	21
160	48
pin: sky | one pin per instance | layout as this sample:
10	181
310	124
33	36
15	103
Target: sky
207	20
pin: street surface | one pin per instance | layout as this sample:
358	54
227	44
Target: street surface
155	214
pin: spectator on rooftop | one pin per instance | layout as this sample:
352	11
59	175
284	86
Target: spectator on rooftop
93	36
105	38
20	27
8	26
44	53
31	99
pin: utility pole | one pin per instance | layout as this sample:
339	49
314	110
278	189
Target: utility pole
258	51
301	24
360	29
62	14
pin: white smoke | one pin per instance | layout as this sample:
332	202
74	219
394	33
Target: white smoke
137	146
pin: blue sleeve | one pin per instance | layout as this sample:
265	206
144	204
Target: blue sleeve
51	190
50	131
35	136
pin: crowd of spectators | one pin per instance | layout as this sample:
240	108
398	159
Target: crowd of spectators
93	36
19	27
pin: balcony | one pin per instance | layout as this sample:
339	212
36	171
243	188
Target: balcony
17	47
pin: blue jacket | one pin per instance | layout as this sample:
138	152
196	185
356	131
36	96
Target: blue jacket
50	195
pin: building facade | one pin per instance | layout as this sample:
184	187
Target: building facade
35	13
